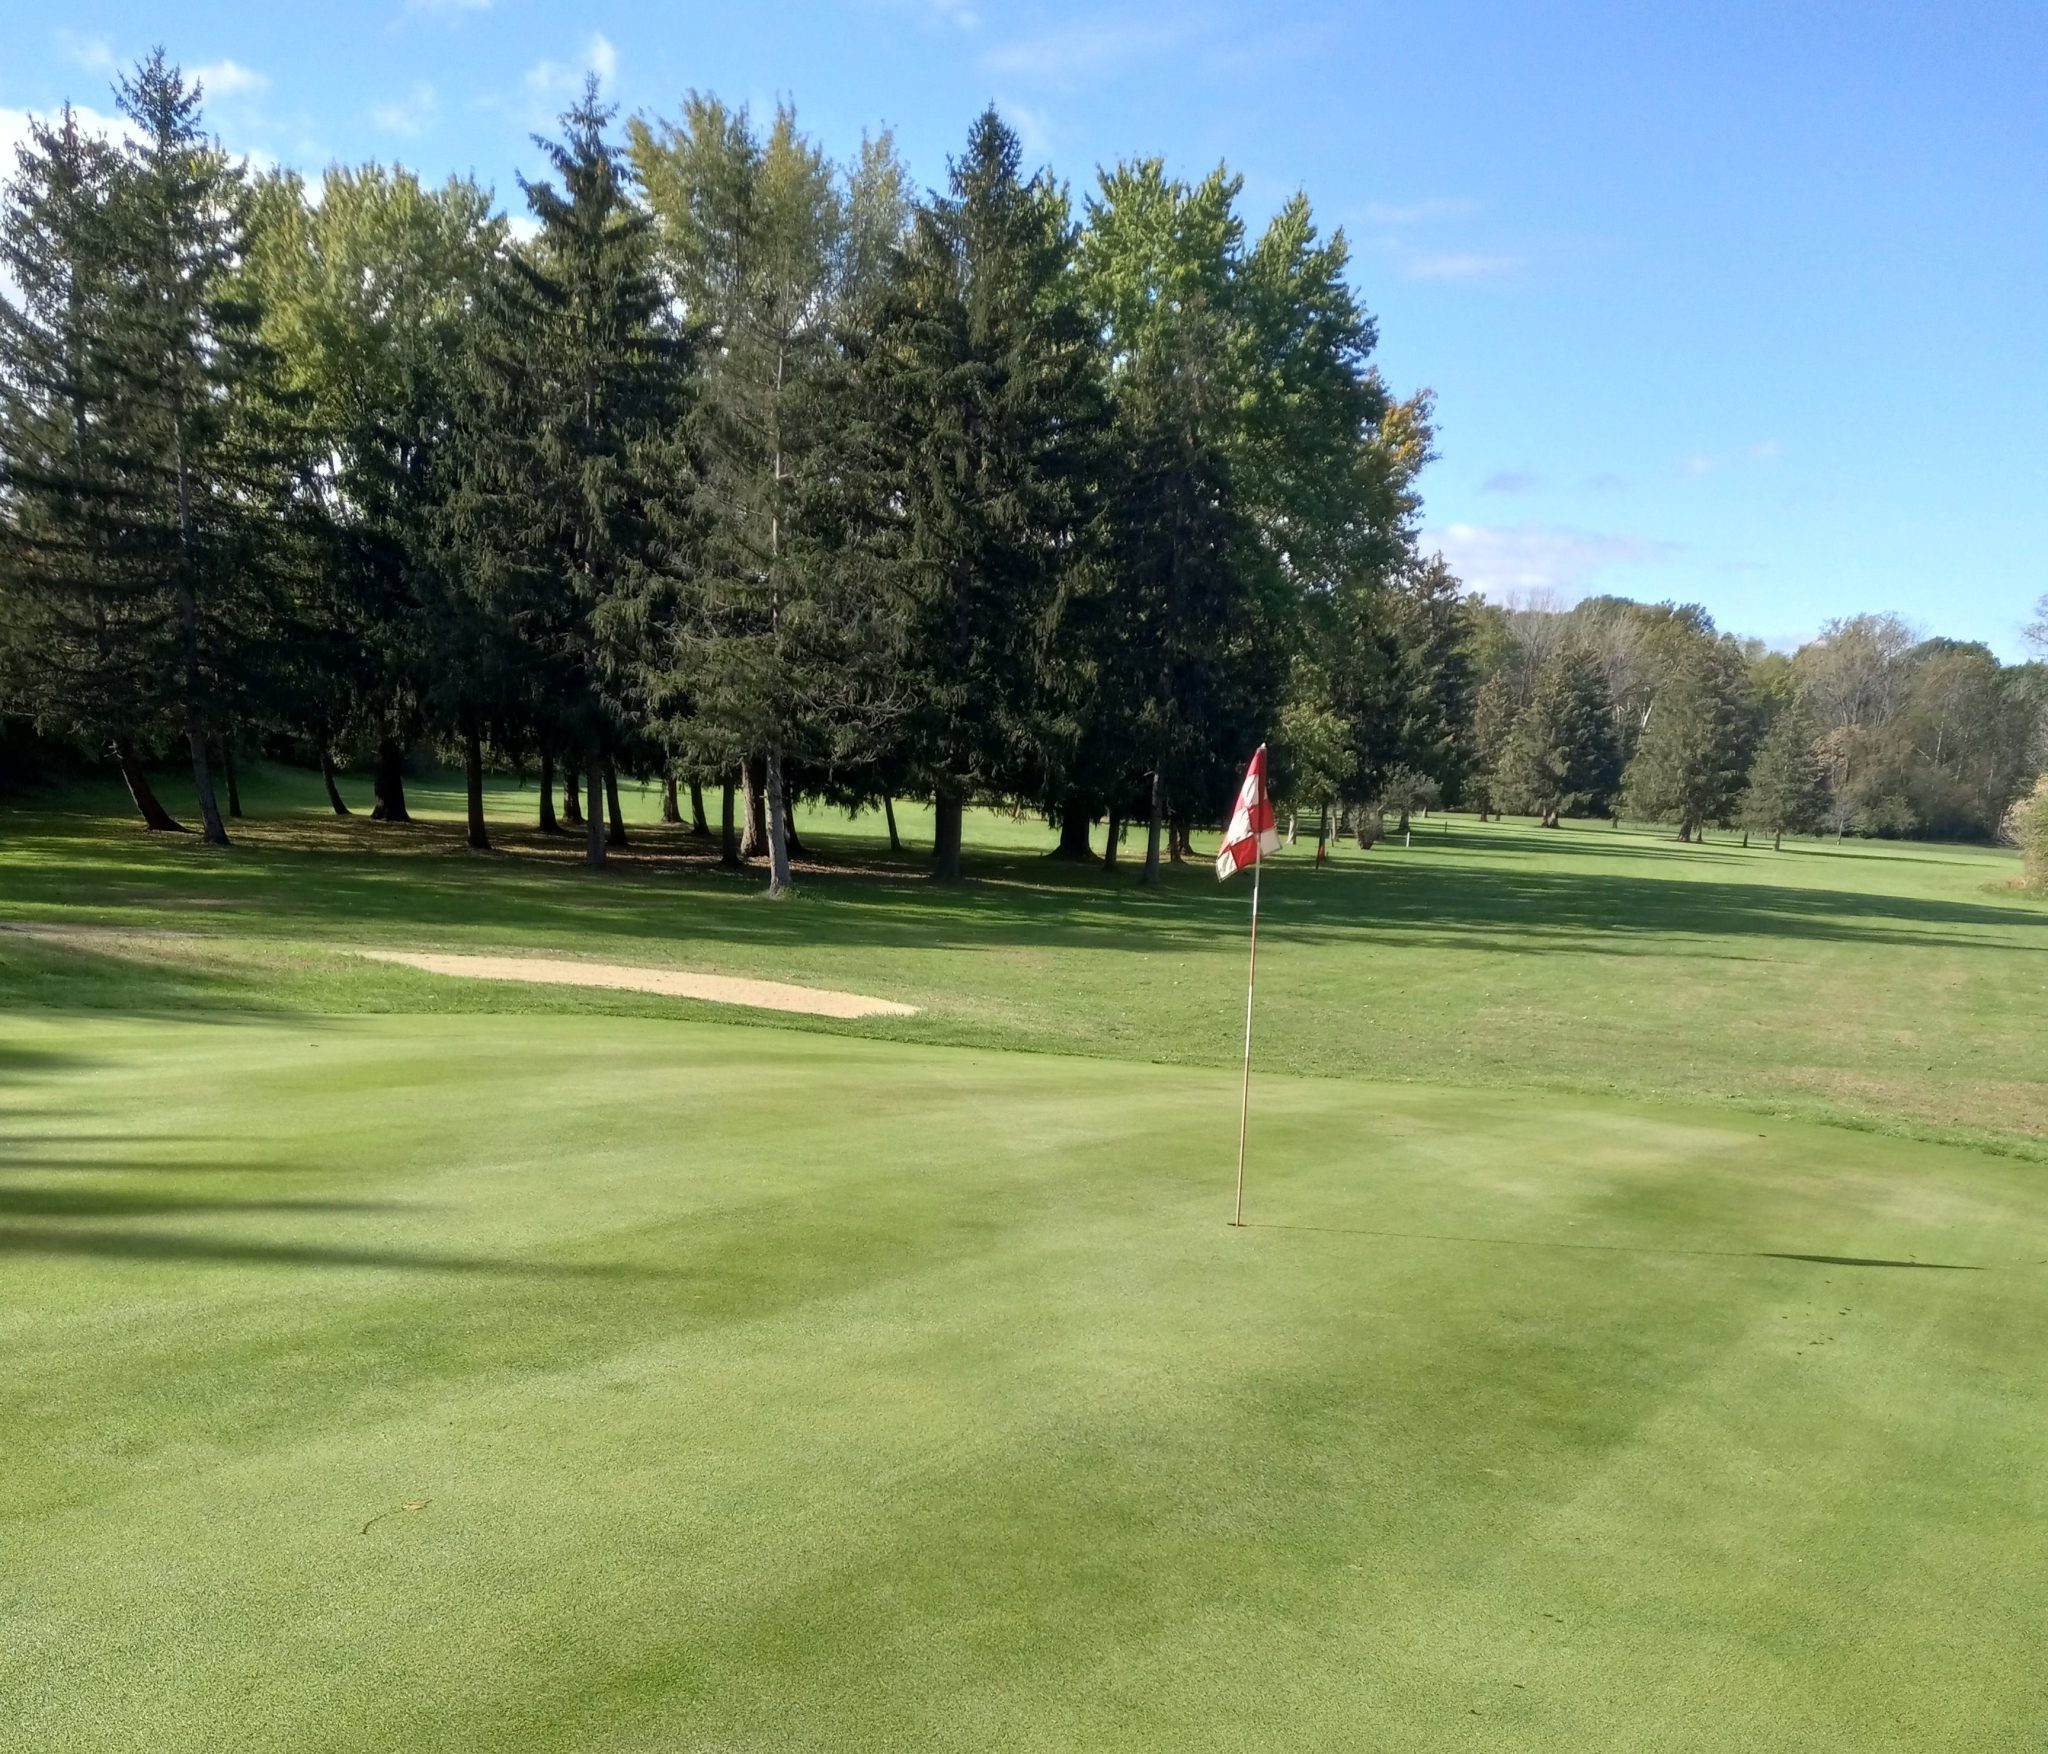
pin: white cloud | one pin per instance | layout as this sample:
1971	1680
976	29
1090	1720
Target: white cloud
1499	560
1086	49
411	115
1419	212
230	79
1456	265
1034	127
553	81
94	54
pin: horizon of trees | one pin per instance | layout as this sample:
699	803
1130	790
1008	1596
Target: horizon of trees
765	476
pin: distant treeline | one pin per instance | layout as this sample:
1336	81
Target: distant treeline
761	474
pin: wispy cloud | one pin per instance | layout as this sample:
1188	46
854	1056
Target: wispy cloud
410	116
1455	265
1497	560
1510	481
221	79
1087	49
1035	127
95	54
1419	212
552	81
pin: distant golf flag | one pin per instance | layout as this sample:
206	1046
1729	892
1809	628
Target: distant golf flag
1247	841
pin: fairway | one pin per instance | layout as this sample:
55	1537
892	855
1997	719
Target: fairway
404	1361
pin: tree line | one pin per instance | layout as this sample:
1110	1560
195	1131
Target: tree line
766	476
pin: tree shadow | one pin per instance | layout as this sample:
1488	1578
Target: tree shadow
158	1246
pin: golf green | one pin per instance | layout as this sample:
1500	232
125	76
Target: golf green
571	1381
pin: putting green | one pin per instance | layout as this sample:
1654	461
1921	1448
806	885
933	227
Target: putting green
767	1390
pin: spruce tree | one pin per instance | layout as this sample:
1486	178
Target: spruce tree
84	631
1788	787
205	455
559	479
1688	766
968	448
1559	755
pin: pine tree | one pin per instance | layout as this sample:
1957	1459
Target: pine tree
559	482
83	632
968	455
1688	766
1787	791
1559	755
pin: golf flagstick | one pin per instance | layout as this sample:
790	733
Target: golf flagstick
1244	1106
1247	841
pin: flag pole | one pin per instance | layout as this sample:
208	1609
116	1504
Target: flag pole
1244	1107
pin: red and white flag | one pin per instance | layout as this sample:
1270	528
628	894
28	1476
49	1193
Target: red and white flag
1250	835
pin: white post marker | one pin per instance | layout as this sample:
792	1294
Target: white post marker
1246	841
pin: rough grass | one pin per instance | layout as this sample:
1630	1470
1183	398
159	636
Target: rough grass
403	1363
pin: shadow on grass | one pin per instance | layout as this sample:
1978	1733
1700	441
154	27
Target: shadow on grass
154	1246
1614	1248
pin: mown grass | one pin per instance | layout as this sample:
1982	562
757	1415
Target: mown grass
397	1362
761	1390
1889	986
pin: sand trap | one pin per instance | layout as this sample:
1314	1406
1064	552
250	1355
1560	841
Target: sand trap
675	983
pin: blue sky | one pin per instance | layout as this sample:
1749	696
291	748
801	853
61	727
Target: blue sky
1739	303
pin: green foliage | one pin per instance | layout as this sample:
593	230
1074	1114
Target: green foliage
1787	788
1688	767
1558	757
2029	828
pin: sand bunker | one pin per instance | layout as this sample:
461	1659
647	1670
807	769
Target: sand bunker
675	983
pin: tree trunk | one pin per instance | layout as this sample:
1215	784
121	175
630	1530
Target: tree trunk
1115	838
889	816
1076	818
227	768
795	841
1153	822
1778	841
572	799
1176	839
1401	827
615	824
671	804
593	819
212	831
548	823
778	824
335	801
754	838
698	826
947	814
387	782
154	815
728	845
473	785
1685	831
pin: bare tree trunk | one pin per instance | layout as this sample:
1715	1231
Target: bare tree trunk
889	816
335	801
1115	839
1153	822
947	814
615	824
572	796
548	823
698	826
154	815
778	824
593	820
671	803
387	782
473	786
1076	818
1176	840
728	843
754	837
227	768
